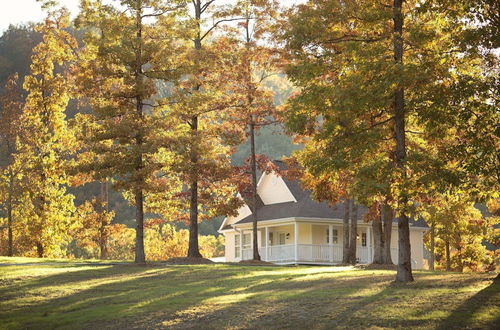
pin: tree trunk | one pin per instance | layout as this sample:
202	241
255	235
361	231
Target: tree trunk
39	249
103	239
354	232
460	266
253	162
194	249
139	198
433	242
404	273
388	217
10	251
345	254
448	261
378	241
140	256
253	166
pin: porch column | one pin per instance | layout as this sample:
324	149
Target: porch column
330	241
296	239
241	244
266	236
369	243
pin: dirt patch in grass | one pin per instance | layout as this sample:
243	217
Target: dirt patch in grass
256	262
378	267
188	261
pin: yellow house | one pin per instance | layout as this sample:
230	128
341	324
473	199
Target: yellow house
293	228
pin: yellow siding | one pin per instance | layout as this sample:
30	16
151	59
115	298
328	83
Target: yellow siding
305	233
318	234
417	246
230	246
287	229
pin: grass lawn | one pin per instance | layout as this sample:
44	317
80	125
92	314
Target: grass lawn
68	295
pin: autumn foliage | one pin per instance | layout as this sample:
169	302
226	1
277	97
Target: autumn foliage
393	106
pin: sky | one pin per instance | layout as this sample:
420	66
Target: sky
24	11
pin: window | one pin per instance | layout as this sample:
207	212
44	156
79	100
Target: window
247	244
335	236
363	239
282	239
247	241
271	240
237	246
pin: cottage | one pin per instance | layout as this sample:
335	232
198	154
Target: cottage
295	229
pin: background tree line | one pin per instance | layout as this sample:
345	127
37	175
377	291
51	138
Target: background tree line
159	102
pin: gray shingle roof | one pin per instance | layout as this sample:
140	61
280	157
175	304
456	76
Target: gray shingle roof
306	207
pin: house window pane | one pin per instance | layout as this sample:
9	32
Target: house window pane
247	243
282	239
363	239
335	236
237	246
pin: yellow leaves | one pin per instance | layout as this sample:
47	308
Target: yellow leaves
41	154
165	241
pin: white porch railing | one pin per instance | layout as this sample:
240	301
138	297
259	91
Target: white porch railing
319	253
314	253
279	253
362	254
274	253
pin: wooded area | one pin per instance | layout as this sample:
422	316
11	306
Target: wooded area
170	106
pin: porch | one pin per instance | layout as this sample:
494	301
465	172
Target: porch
304	243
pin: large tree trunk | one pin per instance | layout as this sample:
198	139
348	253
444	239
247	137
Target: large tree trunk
253	162
354	232
253	166
10	251
404	273
194	249
388	216
140	256
345	254
103	238
433	242
378	241
39	249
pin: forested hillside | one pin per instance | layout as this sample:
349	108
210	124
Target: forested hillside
16	45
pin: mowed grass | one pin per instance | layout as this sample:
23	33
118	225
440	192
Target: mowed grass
69	295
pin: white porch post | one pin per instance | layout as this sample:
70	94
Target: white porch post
241	244
296	239
267	243
369	243
330	241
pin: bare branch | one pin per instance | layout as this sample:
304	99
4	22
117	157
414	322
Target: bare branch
219	22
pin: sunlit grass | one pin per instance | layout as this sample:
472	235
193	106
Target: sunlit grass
69	295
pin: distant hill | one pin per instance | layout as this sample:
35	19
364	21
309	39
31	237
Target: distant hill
16	45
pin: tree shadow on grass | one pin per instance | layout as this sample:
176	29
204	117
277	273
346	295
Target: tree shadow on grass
464	315
283	302
126	293
68	275
221	296
351	302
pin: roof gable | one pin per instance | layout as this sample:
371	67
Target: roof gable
272	189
